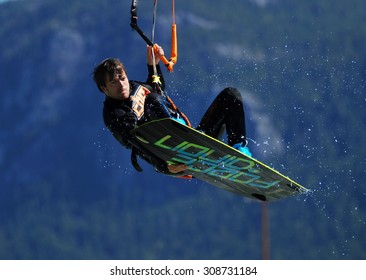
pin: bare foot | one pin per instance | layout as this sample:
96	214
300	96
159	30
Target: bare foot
176	168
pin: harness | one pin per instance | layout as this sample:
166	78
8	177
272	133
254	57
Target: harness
138	98
138	101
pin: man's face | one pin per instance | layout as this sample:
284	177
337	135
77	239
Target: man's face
117	87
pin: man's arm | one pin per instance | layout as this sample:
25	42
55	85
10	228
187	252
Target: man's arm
120	122
158	52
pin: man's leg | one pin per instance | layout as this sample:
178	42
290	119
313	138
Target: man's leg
227	109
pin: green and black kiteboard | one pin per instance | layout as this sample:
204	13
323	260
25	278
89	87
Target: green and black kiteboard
214	162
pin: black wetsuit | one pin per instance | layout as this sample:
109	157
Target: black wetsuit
120	118
227	109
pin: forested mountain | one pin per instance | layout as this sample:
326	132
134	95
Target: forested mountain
67	188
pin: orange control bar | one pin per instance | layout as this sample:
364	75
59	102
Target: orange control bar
174	51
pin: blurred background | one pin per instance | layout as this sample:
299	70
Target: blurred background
67	188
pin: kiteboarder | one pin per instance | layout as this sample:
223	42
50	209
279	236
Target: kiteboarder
129	104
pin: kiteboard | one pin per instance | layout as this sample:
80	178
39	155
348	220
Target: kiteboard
214	162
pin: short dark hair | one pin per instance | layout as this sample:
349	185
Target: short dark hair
110	66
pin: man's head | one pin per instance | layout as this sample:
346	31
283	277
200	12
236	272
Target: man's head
111	79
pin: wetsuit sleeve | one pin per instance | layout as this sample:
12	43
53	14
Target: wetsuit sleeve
149	80
120	122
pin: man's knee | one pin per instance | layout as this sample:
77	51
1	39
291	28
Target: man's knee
232	93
